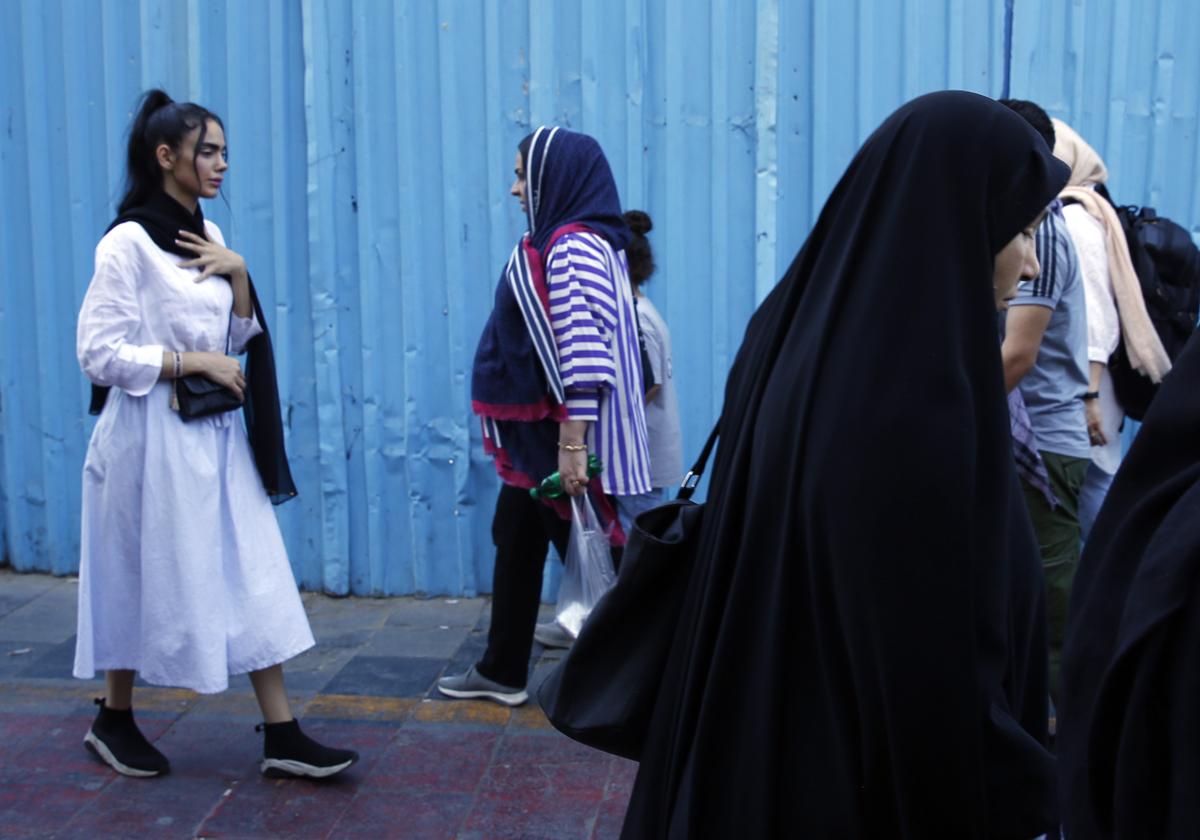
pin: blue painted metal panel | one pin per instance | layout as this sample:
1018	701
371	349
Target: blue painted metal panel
372	144
1126	76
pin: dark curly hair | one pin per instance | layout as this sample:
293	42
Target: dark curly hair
638	251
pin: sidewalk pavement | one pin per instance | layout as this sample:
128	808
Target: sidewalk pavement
430	768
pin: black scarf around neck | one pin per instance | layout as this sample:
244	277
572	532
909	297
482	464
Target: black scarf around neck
162	217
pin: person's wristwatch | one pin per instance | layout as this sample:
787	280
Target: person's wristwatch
1091	395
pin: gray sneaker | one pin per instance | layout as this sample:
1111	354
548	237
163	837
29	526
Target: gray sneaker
551	634
473	684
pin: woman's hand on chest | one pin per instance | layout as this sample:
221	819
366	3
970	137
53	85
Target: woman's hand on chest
211	258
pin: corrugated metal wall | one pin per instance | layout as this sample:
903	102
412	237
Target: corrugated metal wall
1126	75
372	144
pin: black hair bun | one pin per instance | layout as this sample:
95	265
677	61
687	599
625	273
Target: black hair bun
639	221
156	98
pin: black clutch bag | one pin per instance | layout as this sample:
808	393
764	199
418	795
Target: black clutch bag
197	396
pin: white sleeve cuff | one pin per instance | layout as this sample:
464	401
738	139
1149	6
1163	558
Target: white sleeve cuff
140	367
241	331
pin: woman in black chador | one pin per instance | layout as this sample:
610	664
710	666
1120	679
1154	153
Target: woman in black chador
1130	717
862	652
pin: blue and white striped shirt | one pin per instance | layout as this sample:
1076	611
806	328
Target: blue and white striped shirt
595	329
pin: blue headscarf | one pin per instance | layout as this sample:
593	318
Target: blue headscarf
569	181
515	384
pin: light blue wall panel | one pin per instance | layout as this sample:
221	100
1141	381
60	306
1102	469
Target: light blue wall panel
1126	76
372	144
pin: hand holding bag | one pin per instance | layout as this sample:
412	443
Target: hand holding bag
198	396
603	692
588	572
195	395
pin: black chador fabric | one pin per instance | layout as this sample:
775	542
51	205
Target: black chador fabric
862	652
163	217
1129	731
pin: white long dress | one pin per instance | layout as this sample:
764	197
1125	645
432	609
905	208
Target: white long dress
183	573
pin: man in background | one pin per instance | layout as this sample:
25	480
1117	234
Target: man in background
1045	356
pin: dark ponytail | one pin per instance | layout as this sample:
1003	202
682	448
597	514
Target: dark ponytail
638	252
159	119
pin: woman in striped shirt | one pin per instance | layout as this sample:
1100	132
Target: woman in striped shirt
557	376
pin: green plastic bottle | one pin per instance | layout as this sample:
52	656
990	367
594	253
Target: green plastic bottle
551	486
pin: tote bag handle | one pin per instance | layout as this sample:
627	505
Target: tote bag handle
688	487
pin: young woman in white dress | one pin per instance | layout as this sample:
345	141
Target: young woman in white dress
183	573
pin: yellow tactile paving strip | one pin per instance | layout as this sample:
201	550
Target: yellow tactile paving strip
332	706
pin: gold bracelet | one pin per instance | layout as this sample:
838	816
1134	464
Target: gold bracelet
572	447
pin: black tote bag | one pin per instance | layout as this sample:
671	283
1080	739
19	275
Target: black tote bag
603	692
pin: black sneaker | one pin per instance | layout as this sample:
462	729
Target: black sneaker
289	752
117	741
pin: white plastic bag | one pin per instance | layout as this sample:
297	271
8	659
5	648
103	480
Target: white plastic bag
589	570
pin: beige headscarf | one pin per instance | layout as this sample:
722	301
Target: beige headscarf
1142	343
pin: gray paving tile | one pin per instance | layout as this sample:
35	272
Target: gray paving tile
469	652
436	612
341	638
57	662
347	613
52	665
17	656
333	625
314	668
321	657
17	589
387	676
10	601
309	681
48	617
435	643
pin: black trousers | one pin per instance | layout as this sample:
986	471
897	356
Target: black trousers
522	530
